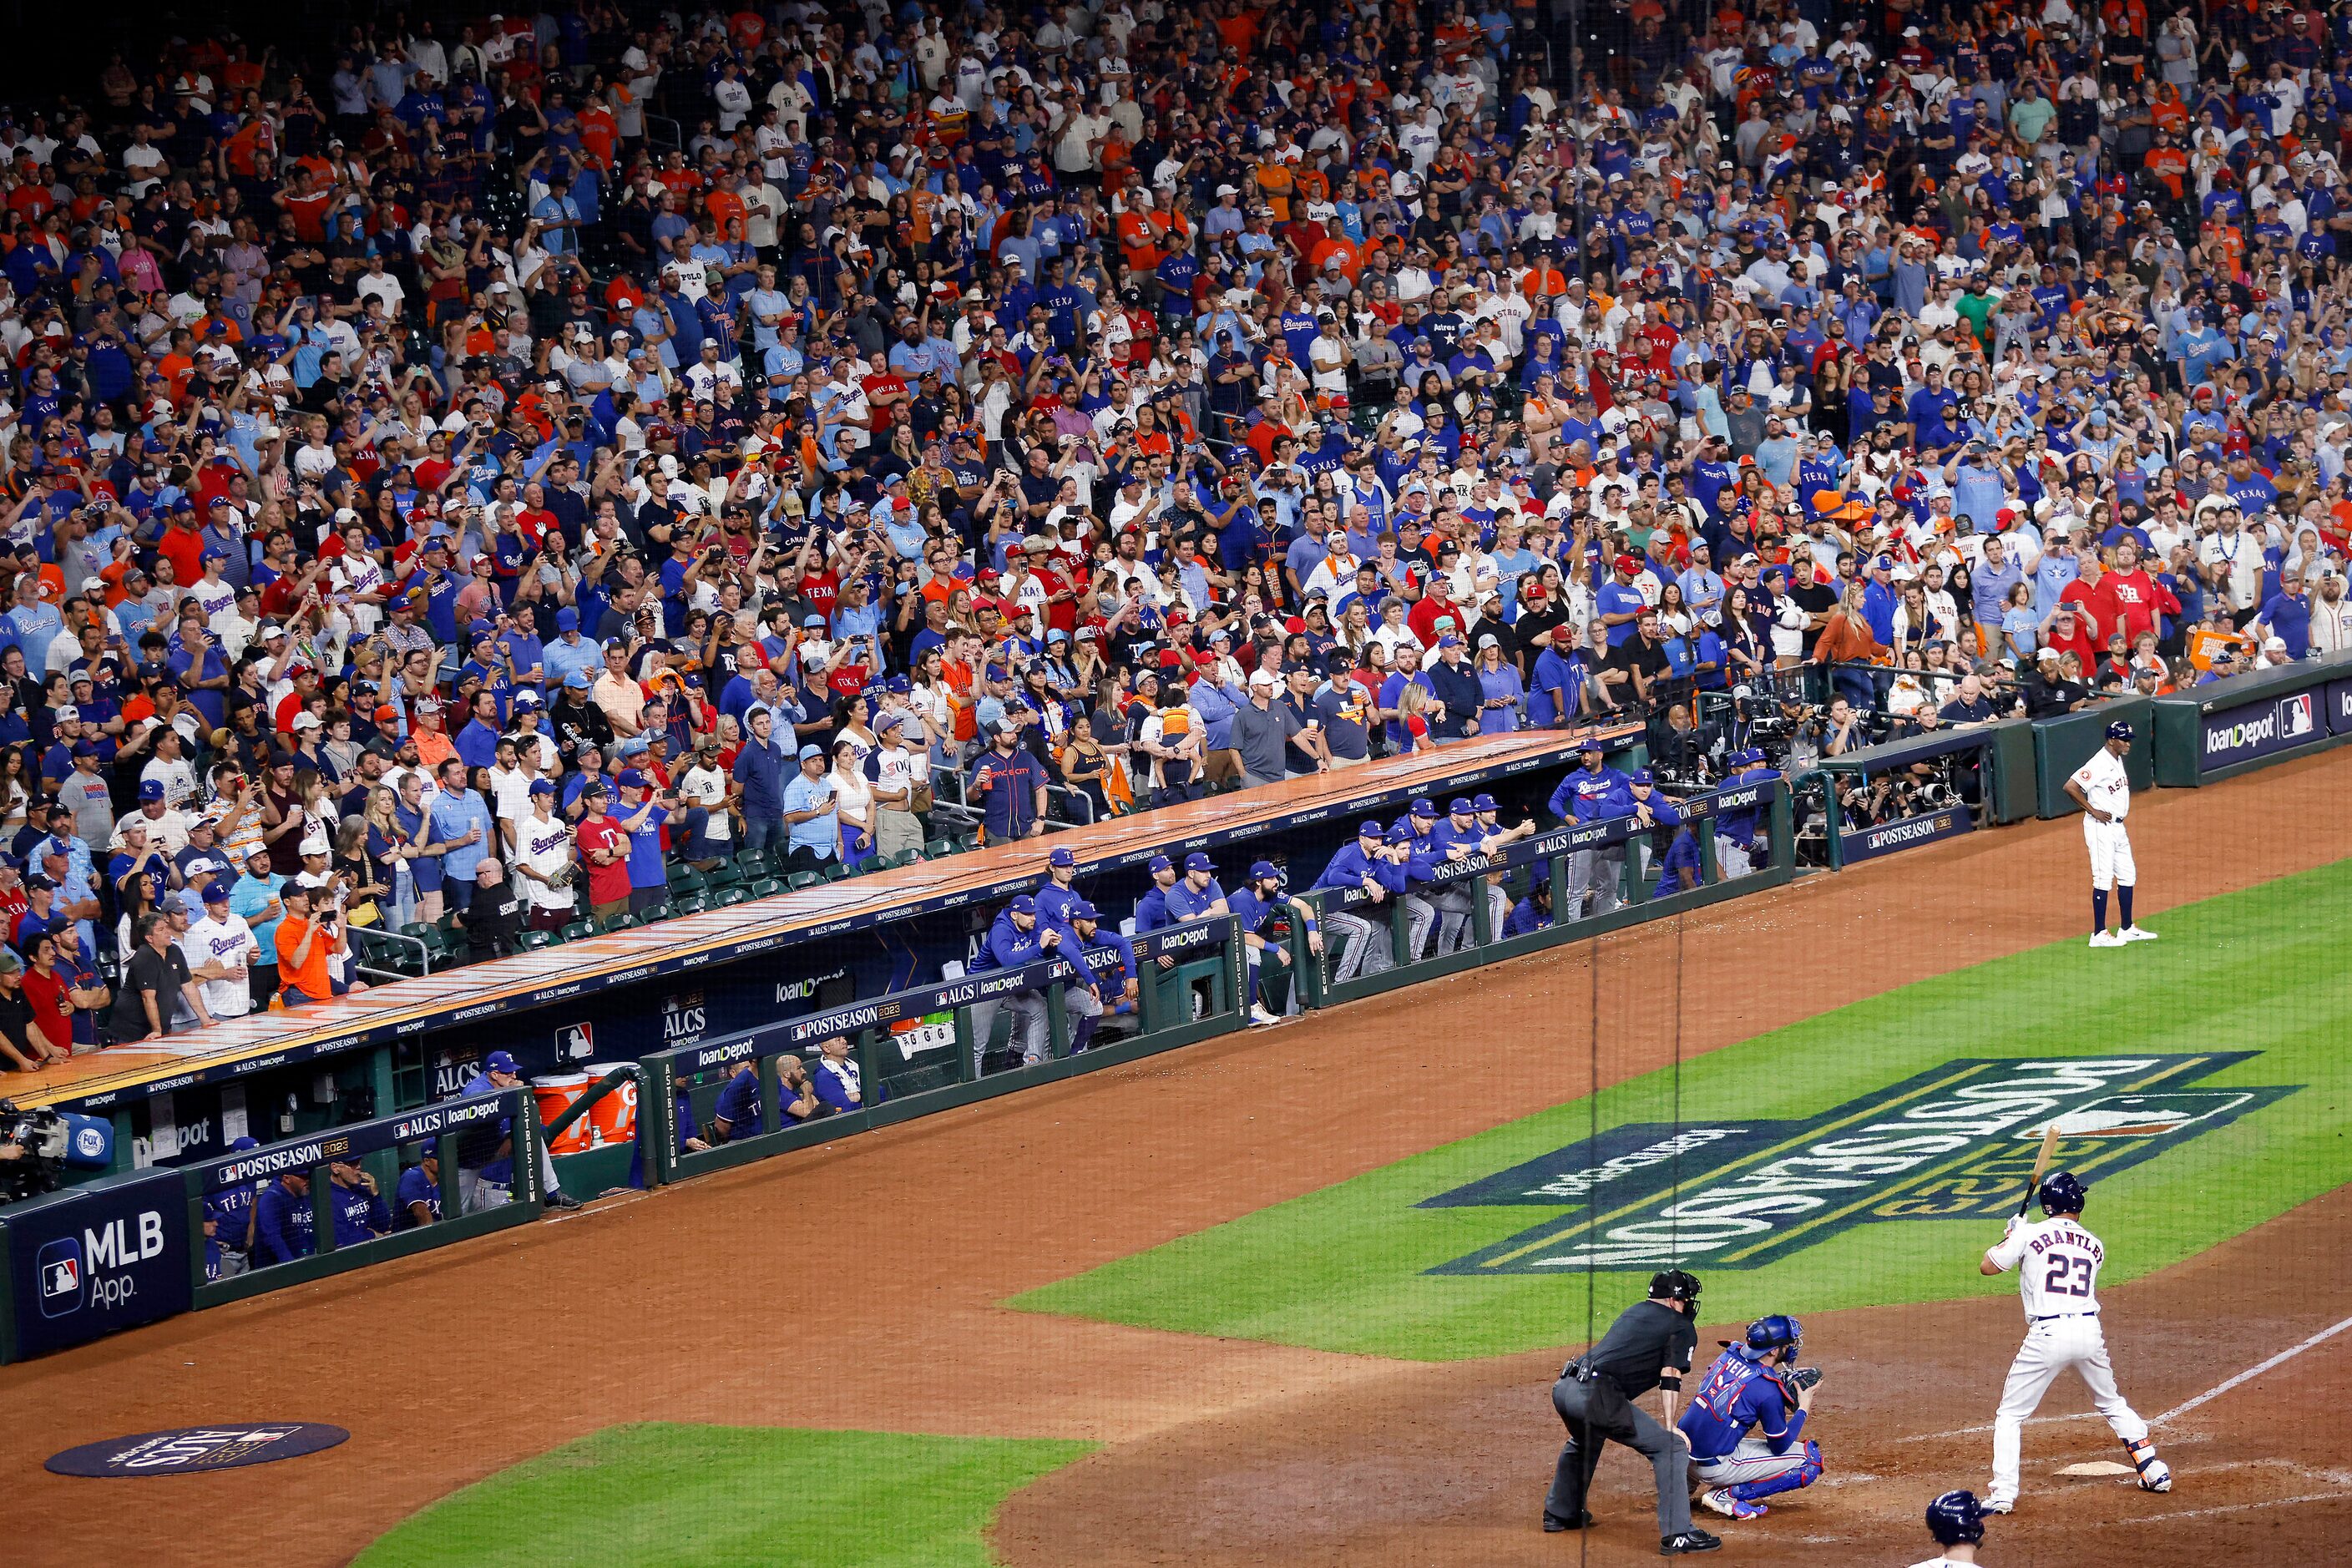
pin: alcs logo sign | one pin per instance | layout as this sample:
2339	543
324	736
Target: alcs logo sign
93	1270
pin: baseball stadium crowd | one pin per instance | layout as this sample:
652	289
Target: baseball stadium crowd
504	477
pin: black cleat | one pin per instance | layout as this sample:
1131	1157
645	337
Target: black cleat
1687	1542
560	1199
1581	1522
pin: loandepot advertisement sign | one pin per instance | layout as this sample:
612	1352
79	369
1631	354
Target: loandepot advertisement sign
1955	1142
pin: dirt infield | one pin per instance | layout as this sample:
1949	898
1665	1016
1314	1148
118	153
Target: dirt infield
855	1285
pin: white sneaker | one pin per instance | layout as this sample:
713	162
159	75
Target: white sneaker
1260	1018
1998	1504
2107	939
2137	933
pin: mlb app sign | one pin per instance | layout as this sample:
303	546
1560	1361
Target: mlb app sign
89	1262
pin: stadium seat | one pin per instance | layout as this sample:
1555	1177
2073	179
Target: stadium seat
727	898
574	931
532	941
939	848
905	857
692	903
867	867
765	888
686	880
800	880
654	912
624	921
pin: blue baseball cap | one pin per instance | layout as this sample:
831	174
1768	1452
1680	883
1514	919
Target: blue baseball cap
501	1061
1264	870
811	750
1483	803
1460	806
1426	810
2120	730
578	680
1591	746
1061	858
1400	835
542	786
1023	904
1161	863
1196	861
1083	910
151	789
898	685
567	619
633	779
216	893
239	1146
1641	776
1368	829
887	722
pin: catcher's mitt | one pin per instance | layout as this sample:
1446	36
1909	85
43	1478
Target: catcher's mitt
1795	1380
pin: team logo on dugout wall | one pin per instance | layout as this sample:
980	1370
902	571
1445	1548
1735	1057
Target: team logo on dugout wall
1955	1143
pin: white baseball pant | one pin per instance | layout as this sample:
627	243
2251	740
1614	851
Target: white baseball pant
2111	855
1753	1460
2050	1347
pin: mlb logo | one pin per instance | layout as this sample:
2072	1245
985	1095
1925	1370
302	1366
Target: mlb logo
575	1042
2295	718
58	1265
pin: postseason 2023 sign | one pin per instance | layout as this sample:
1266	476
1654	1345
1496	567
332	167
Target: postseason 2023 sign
185	1450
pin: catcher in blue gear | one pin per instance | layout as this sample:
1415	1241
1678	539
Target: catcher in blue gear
1747	1422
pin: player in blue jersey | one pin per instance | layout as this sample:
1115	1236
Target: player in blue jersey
1747	1422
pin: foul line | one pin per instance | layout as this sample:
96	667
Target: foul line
2253	1372
2218	1389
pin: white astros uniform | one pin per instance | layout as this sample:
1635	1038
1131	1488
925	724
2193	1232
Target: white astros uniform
2058	1274
2103	783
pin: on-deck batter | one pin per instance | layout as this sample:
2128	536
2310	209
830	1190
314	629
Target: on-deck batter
2100	787
2058	1265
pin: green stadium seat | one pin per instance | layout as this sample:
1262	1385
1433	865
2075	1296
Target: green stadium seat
686	880
867	866
692	903
532	941
727	898
654	912
940	848
905	857
573	931
765	888
800	880
624	921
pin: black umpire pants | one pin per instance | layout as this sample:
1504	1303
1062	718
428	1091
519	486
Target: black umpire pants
1597	1412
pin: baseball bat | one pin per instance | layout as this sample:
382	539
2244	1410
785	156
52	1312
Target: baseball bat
2040	1167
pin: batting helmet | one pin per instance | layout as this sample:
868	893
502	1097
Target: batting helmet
1779	1332
2061	1194
1674	1285
1955	1517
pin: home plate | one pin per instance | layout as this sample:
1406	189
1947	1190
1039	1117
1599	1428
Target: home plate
2097	1468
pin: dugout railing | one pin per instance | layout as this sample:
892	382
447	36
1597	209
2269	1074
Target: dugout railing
455	1133
927	1049
1552	858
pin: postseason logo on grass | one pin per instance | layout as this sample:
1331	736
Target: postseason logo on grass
1955	1142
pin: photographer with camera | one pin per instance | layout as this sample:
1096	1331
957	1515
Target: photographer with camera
309	940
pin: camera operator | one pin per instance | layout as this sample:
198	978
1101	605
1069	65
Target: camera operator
1682	749
1845	730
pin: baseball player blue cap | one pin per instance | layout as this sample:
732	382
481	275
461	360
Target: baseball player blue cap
2120	730
1591	745
1400	835
1426	810
1459	805
1196	861
1023	904
1061	857
1371	829
501	1061
1483	803
239	1146
216	893
1159	863
1641	776
1265	871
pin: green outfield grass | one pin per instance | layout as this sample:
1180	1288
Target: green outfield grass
2242	1139
662	1496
